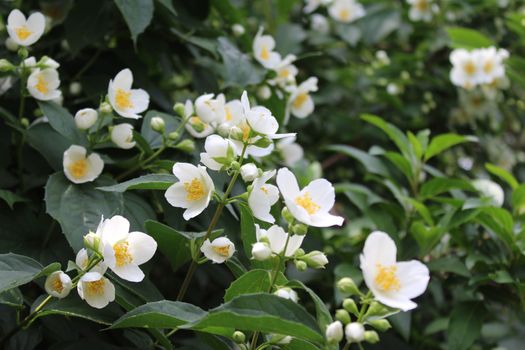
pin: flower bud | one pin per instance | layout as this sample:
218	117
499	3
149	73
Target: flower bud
371	337
239	337
263	142
235	165
24	122
11	45
315	259
157	124
48	62
334	332
280	339
179	109
236	133
285	213
58	284
249	172
343	316
5	65
300	265
224	130
261	251
381	325
173	135
299	253
23	52
238	29
75	88
300	229
347	285
355	332
105	107
186	145
287	293
350	306
264	92
92	241
122	136
377	309
86	118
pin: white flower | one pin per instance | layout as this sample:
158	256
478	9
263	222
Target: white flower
25	32
311	204
218	251
392	283
300	102
263	196
264	92
263	46
233	113
393	89
219	153
124	251
58	284
259	118
422	10
290	150
492	66
195	126
334	332
238	29
249	172
261	251
466	71
193	191
96	290
311	5
355	332
122	136
286	72
86	118
75	88
346	11
78	168
491	190
82	258
125	101
315	259
287	293
319	23
43	84
210	110
30	62
276	238
48	62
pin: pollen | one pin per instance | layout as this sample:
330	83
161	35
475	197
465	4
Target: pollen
79	168
306	202
41	85
264	189
470	68
123	99
95	287
122	255
23	33
194	189
300	100
386	278
222	251
57	285
265	54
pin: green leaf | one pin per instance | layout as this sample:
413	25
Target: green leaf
502	174
38	136
465	325
254	281
360	195
423	211
297	344
137	14
371	163
466	38
171	243
449	264
11	198
146	182
499	221
63	122
518	199
238	67
13	298
426	236
379	22
401	163
266	313
17	270
160	314
393	132
79	208
443	142
248	235
440	185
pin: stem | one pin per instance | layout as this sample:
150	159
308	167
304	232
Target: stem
21	111
347	346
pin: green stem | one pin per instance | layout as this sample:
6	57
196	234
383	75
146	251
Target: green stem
21	111
347	346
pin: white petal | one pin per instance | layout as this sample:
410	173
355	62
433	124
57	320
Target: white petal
380	248
413	277
129	272
176	195
287	184
322	193
123	80
142	247
115	229
140	100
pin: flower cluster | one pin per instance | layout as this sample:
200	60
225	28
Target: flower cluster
111	246
478	67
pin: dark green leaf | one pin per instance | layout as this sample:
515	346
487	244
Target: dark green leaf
502	174
465	325
16	270
146	182
371	163
443	142
238	68
137	14
467	38
63	122
254	281
247	230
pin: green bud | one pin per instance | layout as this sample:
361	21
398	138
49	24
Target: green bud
299	253
24	122
23	53
263	142
347	285
239	337
5	65
381	325
235	165
343	316
285	213
105	107
186	145
173	135
371	337
157	124
236	134
300	229
315	259
198	127
377	309
179	109
300	265
350	306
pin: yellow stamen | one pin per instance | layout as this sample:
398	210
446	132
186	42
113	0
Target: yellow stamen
470	68
194	189
41	85
22	32
79	168
246	130
122	255
265	54
300	100
57	285
386	278
306	202
488	67
264	190
344	14
422	5
229	115
284	73
95	287
222	251
123	99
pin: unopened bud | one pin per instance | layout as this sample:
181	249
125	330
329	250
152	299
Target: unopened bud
11	45
355	332
58	284
381	325
223	130
347	285
334	332
239	337
238	29
343	316
5	65
86	118
300	229
285	213
24	122
315	259
264	92
186	145
249	172
236	134
75	88
173	135
105	107
157	124
300	265
179	109
92	241
371	337
377	309
235	165
350	306
23	52
263	142
261	251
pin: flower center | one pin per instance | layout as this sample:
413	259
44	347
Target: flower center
264	190
229	115
344	14
23	33
222	251
386	278
300	100
41	85
79	168
470	68
95	287
284	73
123	99
57	285
422	5
194	189
306	202
246	130
122	255
265	54
488	67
